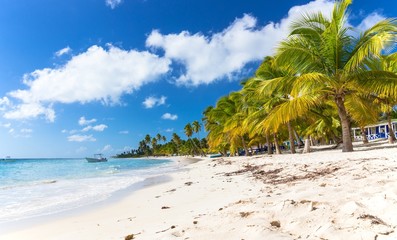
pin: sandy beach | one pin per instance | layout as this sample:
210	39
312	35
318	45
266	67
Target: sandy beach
321	195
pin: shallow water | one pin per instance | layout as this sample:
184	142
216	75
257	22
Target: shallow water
37	187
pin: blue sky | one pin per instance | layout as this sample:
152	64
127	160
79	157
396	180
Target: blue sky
80	77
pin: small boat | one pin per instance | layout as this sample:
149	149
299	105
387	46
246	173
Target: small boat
7	159
97	158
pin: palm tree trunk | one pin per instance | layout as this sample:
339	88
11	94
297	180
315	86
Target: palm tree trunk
291	138
306	149
346	134
201	148
276	145
244	146
269	147
364	135
298	140
391	136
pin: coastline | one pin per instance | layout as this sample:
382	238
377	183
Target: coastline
321	195
159	176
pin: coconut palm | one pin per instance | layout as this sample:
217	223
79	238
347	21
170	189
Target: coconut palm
147	139
196	127
158	137
189	132
214	120
331	62
271	96
177	141
154	144
386	100
231	111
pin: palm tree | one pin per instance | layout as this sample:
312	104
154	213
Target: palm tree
387	100
268	73
158	137
147	139
154	144
177	141
214	119
189	132
196	127
332	63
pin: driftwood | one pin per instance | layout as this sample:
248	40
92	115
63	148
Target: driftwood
373	219
277	179
273	176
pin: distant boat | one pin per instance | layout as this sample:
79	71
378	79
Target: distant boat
7	159
97	158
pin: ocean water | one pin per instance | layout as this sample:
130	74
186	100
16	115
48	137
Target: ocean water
37	187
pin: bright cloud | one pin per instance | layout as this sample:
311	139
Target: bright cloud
169	116
169	130
6	125
369	21
95	75
124	132
81	138
63	51
83	121
151	102
4	103
30	110
26	130
105	74
113	3
225	54
107	148
98	128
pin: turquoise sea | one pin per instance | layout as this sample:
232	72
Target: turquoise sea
37	187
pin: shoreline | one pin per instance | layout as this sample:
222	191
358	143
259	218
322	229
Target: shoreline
176	164
321	195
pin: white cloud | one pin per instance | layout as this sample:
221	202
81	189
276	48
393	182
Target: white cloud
63	51
30	110
95	75
26	130
169	130
64	131
81	138
6	125
151	102
369	21
83	121
113	3
4	103
169	116
107	148
124	132
11	130
225	54
98	128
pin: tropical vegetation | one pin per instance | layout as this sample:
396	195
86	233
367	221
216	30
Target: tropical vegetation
324	78
158	145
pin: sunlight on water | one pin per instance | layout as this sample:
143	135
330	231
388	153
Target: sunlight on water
32	187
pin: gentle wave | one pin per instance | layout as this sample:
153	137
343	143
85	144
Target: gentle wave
30	191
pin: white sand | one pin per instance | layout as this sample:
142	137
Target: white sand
321	195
